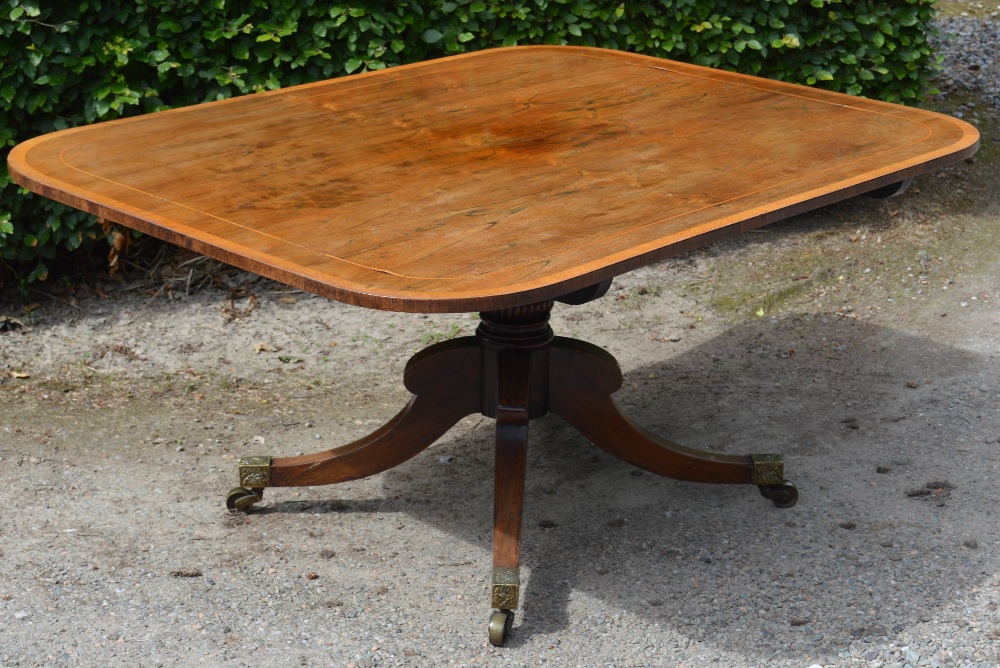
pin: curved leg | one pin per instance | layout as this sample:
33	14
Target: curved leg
514	381
445	379
582	378
418	426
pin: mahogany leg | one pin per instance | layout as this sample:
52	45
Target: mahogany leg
514	382
445	380
582	378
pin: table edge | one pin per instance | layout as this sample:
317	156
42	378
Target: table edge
556	285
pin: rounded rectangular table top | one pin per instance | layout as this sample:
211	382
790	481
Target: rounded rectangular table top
486	180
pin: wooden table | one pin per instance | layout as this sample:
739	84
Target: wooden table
497	182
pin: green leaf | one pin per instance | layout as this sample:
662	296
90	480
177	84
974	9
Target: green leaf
574	29
353	64
431	36
40	273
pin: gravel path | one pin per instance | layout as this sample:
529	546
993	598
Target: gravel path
123	409
971	50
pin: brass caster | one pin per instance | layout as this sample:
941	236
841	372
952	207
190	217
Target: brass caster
500	623
783	495
240	499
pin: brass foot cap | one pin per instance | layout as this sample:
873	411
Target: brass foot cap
255	472
768	469
506	588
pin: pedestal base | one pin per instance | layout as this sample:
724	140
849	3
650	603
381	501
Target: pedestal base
513	370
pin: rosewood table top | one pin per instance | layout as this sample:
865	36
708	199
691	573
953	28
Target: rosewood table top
488	180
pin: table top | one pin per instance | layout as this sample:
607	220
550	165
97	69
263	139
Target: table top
486	180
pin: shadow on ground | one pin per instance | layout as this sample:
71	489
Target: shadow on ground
889	438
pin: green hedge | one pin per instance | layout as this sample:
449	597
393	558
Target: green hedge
89	60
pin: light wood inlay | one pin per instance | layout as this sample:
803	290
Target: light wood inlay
487	180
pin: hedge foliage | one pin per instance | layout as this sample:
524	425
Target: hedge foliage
79	61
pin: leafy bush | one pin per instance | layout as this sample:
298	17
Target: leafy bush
81	61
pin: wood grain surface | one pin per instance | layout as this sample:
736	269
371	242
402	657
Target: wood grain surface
487	180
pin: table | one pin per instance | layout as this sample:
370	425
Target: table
499	182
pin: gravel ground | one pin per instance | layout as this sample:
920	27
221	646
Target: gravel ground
127	401
971	50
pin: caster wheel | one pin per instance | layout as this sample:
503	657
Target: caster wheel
783	495
500	623
240	499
